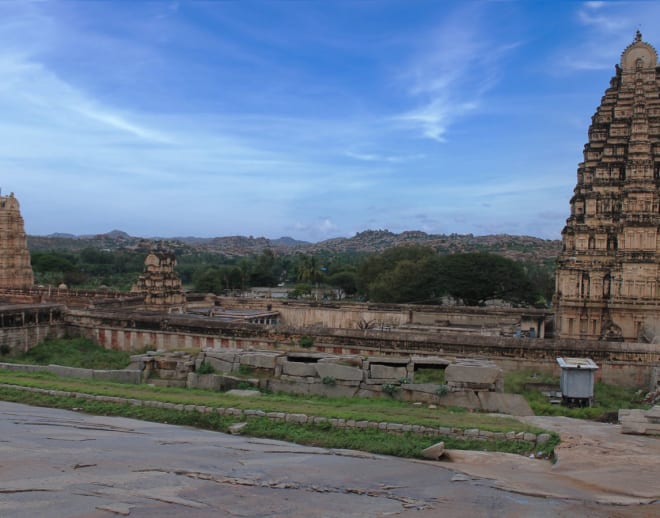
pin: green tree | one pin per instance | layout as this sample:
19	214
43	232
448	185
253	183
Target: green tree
475	278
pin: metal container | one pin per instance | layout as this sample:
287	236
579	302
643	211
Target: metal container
577	379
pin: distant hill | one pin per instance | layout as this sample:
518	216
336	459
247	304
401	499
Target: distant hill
369	241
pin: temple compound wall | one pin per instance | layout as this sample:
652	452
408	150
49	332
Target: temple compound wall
608	273
15	267
486	321
622	363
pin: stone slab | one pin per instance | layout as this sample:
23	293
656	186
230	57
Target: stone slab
298	368
118	376
339	372
260	360
512	404
459	373
380	371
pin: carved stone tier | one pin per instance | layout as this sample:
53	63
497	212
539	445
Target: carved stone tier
159	283
608	274
15	267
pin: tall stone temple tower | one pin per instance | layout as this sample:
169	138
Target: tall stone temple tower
160	284
15	267
608	274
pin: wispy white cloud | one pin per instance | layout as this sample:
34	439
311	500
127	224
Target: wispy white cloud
449	78
375	157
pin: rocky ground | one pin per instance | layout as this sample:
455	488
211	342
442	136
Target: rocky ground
61	463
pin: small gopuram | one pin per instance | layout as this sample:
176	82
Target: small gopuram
15	267
607	280
160	284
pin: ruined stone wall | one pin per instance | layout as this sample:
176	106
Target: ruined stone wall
378	316
21	328
628	364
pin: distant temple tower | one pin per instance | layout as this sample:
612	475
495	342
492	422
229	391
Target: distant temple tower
160	284
608	274
15	267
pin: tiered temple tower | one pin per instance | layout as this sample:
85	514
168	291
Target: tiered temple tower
159	283
15	267
608	274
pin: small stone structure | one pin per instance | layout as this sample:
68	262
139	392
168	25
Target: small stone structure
159	283
15	267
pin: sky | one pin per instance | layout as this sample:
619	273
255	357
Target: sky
305	118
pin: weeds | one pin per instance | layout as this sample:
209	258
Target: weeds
74	352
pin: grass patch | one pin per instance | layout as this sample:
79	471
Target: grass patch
73	352
608	399
321	434
379	410
428	375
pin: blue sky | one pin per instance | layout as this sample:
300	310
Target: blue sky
310	119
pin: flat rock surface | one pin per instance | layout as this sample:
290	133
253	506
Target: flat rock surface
56	463
595	462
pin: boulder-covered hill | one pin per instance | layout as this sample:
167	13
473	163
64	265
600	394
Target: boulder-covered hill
369	241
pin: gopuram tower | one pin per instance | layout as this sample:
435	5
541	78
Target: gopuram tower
608	273
15	267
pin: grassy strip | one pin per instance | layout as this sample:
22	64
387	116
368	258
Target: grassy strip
321	434
72	352
379	410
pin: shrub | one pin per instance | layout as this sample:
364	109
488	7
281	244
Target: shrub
390	389
442	390
329	380
245	370
206	368
306	341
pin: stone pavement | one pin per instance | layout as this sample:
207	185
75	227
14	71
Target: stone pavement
56	463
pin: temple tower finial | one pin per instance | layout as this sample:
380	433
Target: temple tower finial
638	36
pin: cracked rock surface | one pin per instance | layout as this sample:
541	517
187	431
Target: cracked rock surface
57	463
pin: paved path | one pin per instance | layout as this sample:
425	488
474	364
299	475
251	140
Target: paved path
56	463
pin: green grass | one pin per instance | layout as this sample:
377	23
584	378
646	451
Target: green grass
74	352
608	399
321	434
429	376
380	410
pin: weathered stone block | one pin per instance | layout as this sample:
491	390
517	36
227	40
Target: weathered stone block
219	365
434	452
483	375
118	376
298	368
512	404
71	372
260	360
225	355
377	370
320	389
339	372
465	399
